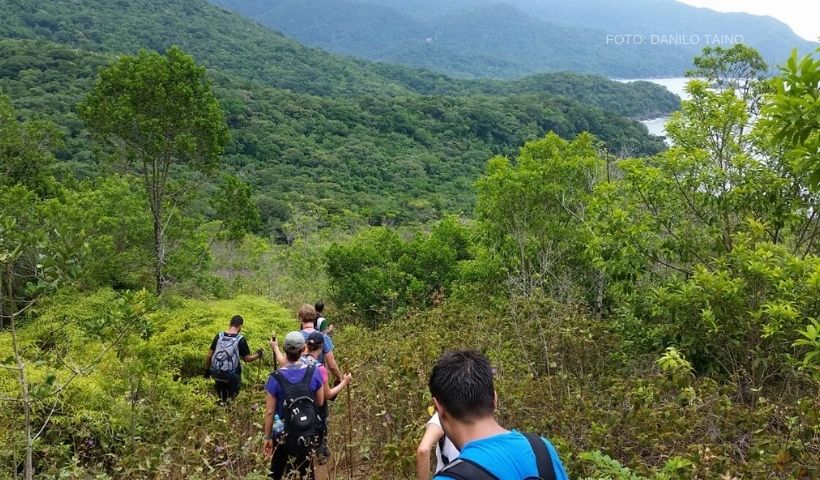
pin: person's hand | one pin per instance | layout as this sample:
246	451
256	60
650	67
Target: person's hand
274	344
207	373
260	353
330	329
268	449
347	378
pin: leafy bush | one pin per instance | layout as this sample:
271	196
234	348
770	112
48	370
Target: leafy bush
377	274
568	377
140	407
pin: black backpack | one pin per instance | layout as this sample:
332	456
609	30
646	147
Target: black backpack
301	415
463	469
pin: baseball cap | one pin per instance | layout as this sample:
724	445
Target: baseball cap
294	342
315	340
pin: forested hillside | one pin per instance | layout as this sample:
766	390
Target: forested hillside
234	45
383	158
514	38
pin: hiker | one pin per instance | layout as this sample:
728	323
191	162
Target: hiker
311	356
314	345
434	438
462	388
294	392
321	322
307	319
222	362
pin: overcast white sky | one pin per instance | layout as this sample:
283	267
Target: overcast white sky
802	15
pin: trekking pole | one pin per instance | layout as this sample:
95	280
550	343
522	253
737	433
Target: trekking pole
349	432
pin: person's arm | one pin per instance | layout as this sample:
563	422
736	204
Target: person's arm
277	354
428	443
320	396
245	352
330	329
332	392
270	407
254	356
330	363
208	358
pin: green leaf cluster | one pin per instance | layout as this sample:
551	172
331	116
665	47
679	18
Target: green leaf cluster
378	275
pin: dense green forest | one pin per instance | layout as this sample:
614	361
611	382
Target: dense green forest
513	38
348	140
652	310
233	45
380	158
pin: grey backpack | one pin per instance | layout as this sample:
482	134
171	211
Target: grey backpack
225	361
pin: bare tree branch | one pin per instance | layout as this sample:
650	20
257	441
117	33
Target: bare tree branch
90	366
45	423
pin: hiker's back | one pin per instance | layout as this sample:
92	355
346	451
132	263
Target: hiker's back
327	345
300	412
508	456
225	360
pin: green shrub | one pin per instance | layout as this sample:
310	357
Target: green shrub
141	408
377	274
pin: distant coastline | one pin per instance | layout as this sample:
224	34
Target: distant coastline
676	85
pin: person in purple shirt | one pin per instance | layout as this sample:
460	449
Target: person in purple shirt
285	457
462	388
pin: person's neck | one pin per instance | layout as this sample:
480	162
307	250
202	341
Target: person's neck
462	433
308	329
233	330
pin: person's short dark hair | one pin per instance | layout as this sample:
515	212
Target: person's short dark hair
462	382
237	321
292	356
320	306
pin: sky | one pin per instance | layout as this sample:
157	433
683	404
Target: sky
803	16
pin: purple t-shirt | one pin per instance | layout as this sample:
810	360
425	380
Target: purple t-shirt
293	374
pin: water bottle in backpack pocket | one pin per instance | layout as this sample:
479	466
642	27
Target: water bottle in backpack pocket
278	427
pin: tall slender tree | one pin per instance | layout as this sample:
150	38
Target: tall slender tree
158	112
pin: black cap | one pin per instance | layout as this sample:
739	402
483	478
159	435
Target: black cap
315	340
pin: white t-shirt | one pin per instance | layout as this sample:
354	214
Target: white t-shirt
450	450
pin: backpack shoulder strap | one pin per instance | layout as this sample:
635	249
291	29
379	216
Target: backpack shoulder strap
444	458
464	469
277	374
308	375
543	458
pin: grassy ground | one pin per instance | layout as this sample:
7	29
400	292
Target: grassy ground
144	410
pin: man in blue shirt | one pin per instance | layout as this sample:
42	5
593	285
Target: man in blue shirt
307	319
463	392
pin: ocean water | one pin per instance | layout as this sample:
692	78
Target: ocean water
675	85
